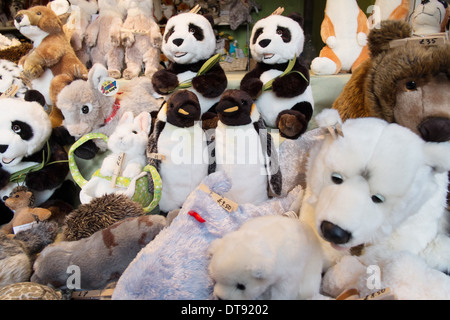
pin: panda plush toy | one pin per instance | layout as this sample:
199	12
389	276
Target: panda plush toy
30	154
279	83
188	43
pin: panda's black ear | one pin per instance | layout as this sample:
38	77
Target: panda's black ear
297	17
34	95
210	19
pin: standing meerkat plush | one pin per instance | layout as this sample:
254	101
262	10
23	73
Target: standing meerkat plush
189	42
280	81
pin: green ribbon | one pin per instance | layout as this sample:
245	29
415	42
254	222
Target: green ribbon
268	85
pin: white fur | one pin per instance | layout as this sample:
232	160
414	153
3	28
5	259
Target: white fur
387	7
130	137
9	75
269	257
377	158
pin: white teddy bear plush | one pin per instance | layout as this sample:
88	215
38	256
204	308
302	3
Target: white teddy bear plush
271	257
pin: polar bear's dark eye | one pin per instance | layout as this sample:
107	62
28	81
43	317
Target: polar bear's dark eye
378	198
411	85
85	109
336	178
240	286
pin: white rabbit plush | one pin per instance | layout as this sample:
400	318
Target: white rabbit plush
127	159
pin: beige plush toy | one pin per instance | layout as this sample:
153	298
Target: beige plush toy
21	201
430	17
141	38
103	36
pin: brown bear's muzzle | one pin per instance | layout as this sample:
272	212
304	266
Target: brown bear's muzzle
435	129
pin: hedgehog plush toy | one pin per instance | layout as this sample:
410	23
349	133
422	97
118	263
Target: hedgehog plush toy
189	43
279	83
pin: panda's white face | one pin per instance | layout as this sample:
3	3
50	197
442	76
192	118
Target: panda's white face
24	129
276	39
188	38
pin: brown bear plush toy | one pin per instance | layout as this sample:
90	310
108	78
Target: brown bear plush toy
52	63
408	84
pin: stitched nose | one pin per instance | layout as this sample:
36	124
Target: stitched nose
19	18
334	233
3	148
178	42
264	43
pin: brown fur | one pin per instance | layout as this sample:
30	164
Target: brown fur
54	52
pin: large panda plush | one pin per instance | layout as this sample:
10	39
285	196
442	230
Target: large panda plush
188	42
288	103
27	141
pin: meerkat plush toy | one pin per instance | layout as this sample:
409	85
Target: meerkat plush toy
177	149
280	81
189	43
244	150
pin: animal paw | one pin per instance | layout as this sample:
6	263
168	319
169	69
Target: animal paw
114	74
291	123
33	72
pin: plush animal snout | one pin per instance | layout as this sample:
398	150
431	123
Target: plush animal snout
334	233
264	43
19	18
3	148
178	42
435	129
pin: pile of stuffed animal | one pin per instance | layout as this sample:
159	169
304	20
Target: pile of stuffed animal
172	186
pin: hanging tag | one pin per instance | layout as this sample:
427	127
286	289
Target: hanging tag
336	131
108	86
117	169
11	91
225	203
156	156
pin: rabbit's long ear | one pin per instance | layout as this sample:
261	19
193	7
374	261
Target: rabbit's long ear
144	121
127	117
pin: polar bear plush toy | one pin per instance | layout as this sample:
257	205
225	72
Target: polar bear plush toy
379	186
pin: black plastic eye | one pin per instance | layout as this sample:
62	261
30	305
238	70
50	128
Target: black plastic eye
411	85
336	178
38	13
16	128
134	131
240	286
85	109
378	198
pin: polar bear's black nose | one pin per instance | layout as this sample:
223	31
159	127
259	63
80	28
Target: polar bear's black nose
334	233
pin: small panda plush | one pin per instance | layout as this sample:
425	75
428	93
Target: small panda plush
188	42
288	105
178	149
26	140
244	150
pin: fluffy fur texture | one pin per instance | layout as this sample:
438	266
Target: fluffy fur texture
175	264
288	105
270	257
90	111
390	87
10	75
25	129
129	138
362	191
103	36
52	62
179	138
17	254
430	17
344	31
140	49
102	257
243	148
100	213
188	41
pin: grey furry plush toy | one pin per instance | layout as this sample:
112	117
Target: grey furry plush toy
99	214
17	254
101	258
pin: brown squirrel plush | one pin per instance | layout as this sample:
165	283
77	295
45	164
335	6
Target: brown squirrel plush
51	52
21	201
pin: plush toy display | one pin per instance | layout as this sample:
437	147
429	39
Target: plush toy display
430	17
177	149
183	274
344	31
251	163
240	12
127	144
270	258
21	202
30	154
52	62
101	258
103	36
19	253
141	38
99	111
189	43
359	192
280	81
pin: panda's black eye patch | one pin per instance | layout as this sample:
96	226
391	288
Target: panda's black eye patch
284	33
258	32
196	31
169	33
23	129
